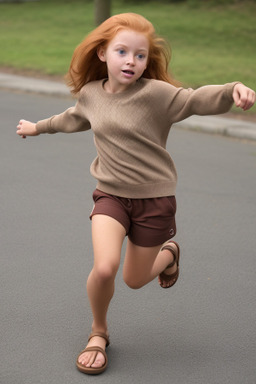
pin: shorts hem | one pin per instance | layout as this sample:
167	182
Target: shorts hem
152	242
104	212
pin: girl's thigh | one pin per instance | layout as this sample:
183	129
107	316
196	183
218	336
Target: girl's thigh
107	237
139	263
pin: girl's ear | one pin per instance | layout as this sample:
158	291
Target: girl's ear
101	54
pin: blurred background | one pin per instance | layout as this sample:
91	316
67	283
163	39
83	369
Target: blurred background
213	42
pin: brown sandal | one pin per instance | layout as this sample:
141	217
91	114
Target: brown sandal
176	257
90	370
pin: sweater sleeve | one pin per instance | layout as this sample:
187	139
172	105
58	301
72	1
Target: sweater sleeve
207	100
72	120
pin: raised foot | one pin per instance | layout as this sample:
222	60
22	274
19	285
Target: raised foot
170	275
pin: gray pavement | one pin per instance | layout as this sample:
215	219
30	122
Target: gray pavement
200	331
211	124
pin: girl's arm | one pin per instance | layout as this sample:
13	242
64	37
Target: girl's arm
206	100
74	119
243	96
26	128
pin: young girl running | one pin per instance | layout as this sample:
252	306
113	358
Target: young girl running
129	100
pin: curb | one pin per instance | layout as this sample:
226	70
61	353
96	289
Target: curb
33	85
224	126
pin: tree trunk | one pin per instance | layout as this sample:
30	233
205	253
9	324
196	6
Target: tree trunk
101	10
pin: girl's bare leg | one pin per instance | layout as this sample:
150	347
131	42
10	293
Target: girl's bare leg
143	264
107	236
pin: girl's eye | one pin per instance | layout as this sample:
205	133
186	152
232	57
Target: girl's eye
121	51
141	56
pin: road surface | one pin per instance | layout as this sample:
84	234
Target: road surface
202	331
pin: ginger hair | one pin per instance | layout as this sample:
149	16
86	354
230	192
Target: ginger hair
85	65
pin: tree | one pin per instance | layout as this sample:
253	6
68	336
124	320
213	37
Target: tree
102	10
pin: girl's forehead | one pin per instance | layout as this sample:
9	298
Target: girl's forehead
129	36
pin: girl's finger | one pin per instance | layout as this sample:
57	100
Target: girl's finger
249	101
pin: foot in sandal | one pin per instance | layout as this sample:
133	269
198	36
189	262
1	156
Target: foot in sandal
170	275
93	359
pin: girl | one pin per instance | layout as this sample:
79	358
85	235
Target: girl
129	100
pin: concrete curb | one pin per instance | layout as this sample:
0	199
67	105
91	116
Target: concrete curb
29	84
239	129
210	124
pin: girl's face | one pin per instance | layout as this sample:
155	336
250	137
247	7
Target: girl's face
126	57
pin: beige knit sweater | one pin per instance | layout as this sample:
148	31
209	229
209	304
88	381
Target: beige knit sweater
131	130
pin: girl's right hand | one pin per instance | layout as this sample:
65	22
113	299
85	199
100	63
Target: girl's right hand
26	128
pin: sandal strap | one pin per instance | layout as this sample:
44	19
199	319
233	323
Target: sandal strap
175	252
95	349
100	334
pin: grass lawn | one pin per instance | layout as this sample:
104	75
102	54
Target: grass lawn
210	44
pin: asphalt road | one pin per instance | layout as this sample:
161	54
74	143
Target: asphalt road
202	331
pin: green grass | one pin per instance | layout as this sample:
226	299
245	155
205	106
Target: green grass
210	44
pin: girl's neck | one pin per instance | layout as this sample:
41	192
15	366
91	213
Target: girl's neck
111	88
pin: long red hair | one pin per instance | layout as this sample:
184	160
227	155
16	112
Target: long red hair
85	65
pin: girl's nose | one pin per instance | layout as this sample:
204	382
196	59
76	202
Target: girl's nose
130	60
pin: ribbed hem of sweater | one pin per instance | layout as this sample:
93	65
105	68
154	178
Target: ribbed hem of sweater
139	191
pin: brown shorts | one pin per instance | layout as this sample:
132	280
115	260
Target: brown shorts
148	222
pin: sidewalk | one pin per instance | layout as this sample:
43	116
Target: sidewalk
210	124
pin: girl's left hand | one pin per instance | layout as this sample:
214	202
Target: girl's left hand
243	96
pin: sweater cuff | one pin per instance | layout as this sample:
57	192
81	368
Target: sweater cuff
230	88
44	126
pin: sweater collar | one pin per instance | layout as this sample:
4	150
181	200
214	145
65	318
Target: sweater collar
132	89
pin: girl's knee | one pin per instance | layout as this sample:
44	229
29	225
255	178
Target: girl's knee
104	273
132	283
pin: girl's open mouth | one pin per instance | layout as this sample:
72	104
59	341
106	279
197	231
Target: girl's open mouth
128	72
